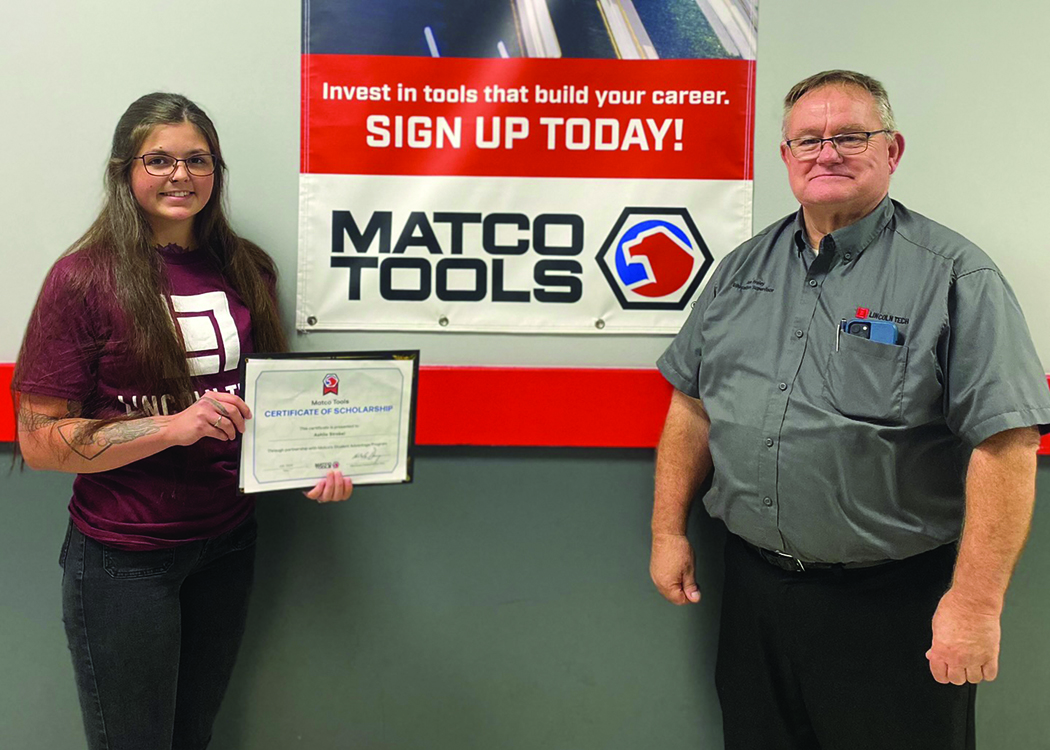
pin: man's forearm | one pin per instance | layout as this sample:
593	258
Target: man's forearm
683	462
1000	495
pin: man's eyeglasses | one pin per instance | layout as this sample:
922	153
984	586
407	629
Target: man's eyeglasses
808	147
162	165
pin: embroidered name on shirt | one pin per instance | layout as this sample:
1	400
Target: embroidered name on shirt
754	285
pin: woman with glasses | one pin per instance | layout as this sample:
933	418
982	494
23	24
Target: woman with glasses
128	377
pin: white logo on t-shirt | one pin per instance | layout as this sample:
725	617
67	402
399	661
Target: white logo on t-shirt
209	330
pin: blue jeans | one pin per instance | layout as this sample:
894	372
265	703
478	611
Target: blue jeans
154	636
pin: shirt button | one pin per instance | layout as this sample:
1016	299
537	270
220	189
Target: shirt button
769	442
848	256
783	386
812	282
798	333
767	501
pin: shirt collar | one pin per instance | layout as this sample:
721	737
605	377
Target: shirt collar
852	240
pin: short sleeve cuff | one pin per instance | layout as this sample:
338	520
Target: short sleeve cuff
686	383
1009	421
50	389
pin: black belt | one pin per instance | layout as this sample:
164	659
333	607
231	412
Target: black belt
792	564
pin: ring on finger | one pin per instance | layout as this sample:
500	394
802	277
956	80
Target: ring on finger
216	422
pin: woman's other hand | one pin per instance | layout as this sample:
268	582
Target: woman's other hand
333	488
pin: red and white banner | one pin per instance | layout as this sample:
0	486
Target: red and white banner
516	193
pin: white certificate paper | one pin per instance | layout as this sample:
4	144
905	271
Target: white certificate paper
312	413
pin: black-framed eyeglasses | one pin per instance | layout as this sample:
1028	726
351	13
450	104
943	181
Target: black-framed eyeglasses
163	165
848	144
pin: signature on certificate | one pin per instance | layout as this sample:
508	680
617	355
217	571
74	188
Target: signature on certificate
369	455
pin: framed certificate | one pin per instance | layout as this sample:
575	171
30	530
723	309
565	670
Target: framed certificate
352	411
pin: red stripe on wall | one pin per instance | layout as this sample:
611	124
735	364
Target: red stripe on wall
541	407
7	412
520	406
612	408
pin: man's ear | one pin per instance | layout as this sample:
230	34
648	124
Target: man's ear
896	151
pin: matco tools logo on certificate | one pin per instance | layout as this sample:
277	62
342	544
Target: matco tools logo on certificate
654	258
330	384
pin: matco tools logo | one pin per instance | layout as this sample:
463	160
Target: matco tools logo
330	384
654	258
459	256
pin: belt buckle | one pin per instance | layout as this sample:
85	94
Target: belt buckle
799	567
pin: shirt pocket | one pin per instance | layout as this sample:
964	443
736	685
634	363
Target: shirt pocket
865	379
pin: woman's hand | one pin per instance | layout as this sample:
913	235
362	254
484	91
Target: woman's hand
333	488
216	414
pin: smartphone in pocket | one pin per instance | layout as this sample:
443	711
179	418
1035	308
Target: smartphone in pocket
882	331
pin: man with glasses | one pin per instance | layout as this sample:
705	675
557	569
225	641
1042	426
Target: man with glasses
855	380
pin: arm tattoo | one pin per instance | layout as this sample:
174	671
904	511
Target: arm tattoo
90	445
31	421
81	436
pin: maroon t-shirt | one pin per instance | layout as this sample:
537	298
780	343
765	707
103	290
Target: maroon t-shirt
181	493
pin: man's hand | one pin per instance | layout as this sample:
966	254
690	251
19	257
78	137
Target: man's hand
1000	493
683	461
671	567
965	642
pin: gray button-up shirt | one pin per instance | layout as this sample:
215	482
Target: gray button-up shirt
836	448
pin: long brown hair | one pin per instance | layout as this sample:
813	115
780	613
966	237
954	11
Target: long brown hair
122	261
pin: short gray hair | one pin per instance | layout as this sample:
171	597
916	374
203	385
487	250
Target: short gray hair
842	78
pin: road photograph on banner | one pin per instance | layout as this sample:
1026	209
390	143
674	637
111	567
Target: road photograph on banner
532	166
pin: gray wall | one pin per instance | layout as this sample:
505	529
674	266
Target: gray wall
501	600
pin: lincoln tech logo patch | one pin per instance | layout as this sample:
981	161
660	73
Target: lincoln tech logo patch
654	258
866	313
331	384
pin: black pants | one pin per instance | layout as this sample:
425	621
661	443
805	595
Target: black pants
835	659
154	636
